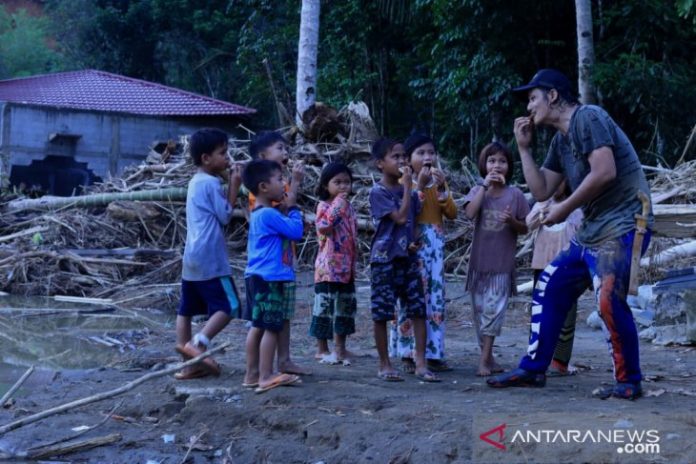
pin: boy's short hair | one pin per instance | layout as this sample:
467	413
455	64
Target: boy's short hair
205	141
257	171
263	140
491	149
382	147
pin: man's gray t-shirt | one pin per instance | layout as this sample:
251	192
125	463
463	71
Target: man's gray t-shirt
207	211
611	213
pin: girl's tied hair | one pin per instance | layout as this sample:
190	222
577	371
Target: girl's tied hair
330	171
382	147
416	140
491	149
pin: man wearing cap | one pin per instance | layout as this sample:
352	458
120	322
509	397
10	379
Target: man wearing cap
604	173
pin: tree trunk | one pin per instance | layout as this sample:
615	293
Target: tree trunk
307	57
583	15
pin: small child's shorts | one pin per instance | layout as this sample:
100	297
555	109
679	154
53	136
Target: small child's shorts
209	297
399	279
334	310
268	304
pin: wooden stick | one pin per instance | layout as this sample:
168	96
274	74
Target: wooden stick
16	386
108	394
32	231
107	416
75	446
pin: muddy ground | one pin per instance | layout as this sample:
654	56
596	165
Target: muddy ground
339	414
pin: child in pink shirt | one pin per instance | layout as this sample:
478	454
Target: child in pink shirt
335	304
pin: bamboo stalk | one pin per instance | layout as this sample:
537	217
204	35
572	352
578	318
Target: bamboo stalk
99	199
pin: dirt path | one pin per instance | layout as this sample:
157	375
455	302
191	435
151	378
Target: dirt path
345	414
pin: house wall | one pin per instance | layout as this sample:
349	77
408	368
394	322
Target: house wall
109	142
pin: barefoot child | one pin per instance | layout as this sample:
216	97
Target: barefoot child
272	146
499	212
268	273
206	282
437	203
393	261
335	305
549	241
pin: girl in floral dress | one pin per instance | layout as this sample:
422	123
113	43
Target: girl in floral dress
335	304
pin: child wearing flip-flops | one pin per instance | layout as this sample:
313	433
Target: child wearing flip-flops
272	146
394	268
335	304
437	204
206	282
269	275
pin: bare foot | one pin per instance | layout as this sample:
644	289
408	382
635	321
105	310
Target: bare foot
251	378
320	355
483	370
290	367
495	368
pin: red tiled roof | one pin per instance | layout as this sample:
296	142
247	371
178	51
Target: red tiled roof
103	91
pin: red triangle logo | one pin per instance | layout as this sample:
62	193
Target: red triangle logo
500	432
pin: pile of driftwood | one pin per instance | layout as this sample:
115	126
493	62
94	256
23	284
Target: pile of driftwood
128	233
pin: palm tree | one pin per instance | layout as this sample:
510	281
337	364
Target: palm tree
583	15
307	50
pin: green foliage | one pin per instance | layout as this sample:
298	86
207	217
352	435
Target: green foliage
432	65
24	45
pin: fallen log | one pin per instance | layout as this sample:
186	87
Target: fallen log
684	250
99	199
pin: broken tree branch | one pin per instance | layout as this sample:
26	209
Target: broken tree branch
108	394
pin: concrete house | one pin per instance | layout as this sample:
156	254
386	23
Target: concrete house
60	131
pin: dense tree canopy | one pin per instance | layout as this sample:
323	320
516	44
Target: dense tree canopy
435	65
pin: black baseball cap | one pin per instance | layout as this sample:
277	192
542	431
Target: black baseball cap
549	79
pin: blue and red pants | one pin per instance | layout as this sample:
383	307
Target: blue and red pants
606	267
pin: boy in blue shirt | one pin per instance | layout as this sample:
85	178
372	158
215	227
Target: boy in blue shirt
269	274
206	283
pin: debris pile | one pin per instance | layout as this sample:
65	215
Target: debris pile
128	233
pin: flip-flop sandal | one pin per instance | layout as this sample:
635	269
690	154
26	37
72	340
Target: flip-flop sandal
191	352
193	374
279	381
329	359
428	377
390	376
250	385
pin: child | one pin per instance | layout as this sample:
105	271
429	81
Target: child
437	202
548	242
268	273
206	285
393	261
272	146
499	211
334	269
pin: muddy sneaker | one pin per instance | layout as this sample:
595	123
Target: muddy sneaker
623	390
517	378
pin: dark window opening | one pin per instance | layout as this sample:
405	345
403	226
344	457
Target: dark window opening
54	175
